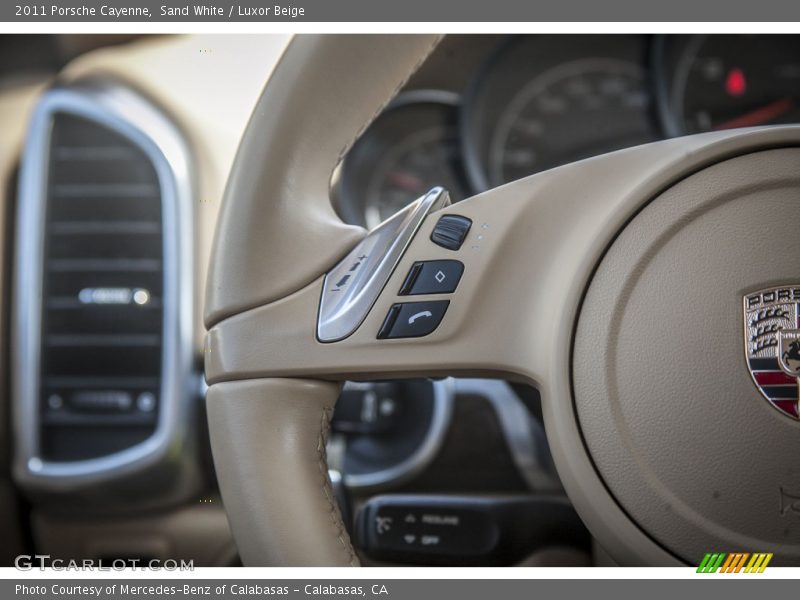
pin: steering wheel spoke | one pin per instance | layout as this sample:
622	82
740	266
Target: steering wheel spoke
527	256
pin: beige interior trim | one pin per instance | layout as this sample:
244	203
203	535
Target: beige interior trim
198	532
269	439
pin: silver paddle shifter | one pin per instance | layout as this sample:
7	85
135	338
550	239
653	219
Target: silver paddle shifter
352	286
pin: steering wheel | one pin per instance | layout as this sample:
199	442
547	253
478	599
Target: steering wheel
647	294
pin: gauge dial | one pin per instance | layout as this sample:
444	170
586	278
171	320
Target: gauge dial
410	148
424	159
715	82
573	111
543	101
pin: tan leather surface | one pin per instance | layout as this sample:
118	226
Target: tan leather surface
269	439
277	230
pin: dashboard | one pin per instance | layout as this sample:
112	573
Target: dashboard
488	110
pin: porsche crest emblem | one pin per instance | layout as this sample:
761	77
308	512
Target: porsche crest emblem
772	345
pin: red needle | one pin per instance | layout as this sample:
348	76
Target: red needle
765	114
407	181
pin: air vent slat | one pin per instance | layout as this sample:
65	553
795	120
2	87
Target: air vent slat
104	227
108	319
88	361
117	246
93	153
118	191
71	382
70	283
100	341
78	420
70	302
103	264
103	209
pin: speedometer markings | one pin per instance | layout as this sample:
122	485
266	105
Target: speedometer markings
571	111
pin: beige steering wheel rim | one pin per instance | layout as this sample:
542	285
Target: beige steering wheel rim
273	385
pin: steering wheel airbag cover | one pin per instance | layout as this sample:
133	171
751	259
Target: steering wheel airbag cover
673	422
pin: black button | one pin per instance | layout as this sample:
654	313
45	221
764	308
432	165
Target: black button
451	231
432	277
412	319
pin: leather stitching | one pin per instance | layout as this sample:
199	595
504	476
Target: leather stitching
327	489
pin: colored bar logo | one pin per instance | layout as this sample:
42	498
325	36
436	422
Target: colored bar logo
735	562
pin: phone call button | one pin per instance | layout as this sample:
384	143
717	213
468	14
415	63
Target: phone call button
412	319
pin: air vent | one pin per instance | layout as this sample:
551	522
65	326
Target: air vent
103	309
102	293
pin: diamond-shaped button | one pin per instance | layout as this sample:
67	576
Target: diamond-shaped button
432	277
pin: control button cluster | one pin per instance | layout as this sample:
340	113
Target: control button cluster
466	530
352	286
427	530
428	277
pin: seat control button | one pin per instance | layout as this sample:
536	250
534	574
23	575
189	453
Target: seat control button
412	319
451	231
432	277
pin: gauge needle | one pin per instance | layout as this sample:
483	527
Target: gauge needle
759	116
407	181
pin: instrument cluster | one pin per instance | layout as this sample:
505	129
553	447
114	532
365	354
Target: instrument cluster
539	101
